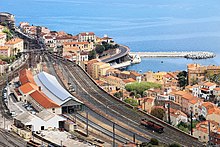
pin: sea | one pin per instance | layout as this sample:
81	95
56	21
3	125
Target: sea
143	25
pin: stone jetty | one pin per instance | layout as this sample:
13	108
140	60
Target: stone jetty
188	55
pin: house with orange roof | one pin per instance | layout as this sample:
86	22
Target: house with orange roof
201	130
213	114
61	39
87	37
77	47
40	102
215	137
207	108
3	38
206	90
90	65
5	51
135	75
177	116
128	81
194	106
27	89
117	82
26	76
146	103
16	45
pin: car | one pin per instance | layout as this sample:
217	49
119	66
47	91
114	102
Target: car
33	112
13	114
29	108
25	105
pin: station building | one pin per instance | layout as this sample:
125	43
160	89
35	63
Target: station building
53	90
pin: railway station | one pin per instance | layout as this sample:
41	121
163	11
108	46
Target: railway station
53	90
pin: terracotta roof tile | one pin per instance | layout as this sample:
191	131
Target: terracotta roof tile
13	41
26	76
43	100
28	87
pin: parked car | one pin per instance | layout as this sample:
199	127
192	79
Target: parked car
29	108
13	114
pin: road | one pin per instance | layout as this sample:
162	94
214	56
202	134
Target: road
123	52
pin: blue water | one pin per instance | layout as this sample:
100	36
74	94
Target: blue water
143	25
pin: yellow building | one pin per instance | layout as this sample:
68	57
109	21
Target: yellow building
99	69
159	76
115	81
77	47
16	45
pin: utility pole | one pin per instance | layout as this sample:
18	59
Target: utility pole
134	136
191	117
87	124
113	134
169	120
209	143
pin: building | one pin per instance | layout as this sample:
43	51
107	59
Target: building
26	89
115	81
41	102
201	130
26	76
99	69
77	47
177	116
3	67
5	51
89	65
3	38
16	45
60	40
7	19
44	120
87	37
206	90
55	92
195	71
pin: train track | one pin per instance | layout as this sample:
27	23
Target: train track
88	90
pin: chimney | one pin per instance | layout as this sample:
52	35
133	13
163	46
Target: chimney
39	88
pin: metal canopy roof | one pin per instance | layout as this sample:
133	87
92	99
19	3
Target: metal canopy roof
52	88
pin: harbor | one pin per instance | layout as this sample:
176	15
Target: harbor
188	55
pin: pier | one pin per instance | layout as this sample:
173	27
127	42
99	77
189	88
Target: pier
188	55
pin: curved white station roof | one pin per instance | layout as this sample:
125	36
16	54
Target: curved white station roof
52	88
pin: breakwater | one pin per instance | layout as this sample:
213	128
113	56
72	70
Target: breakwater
188	55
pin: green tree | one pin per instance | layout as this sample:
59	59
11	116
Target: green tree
92	55
182	78
99	49
131	101
154	141
118	94
141	87
8	33
158	112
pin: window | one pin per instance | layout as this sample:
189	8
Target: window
53	109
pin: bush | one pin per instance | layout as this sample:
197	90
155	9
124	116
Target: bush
154	141
158	112
141	87
131	101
